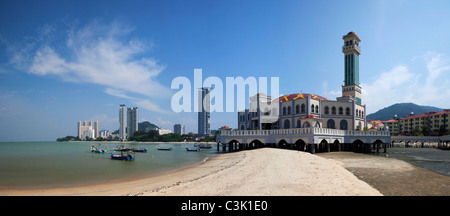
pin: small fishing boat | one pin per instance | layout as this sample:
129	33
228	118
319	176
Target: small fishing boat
139	150
164	149
95	150
192	149
124	155
122	148
205	146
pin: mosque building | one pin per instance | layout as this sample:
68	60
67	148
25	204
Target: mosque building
302	110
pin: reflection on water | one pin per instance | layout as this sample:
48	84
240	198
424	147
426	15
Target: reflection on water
429	158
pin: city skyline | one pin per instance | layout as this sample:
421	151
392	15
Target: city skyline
65	61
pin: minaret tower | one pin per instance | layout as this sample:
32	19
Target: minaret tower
351	51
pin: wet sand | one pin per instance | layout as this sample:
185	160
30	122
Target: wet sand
392	177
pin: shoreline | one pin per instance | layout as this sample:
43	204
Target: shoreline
237	173
391	176
291	173
137	142
134	187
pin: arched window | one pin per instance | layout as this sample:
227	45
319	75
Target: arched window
362	113
242	127
347	111
312	108
343	125
297	109
299	124
327	110
287	124
317	109
306	125
317	124
341	111
289	110
303	108
357	113
333	110
330	124
284	110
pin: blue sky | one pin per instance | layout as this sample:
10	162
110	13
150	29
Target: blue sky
67	61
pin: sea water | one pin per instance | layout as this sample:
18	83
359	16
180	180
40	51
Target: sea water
65	164
433	159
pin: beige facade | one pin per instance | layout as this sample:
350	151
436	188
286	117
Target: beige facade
430	123
309	110
306	110
90	130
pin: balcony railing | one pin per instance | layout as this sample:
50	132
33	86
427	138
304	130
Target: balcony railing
300	131
349	47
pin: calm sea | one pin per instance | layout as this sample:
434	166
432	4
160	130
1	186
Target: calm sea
429	158
62	164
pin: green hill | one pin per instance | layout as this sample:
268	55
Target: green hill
145	126
402	110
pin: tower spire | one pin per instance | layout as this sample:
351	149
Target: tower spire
351	52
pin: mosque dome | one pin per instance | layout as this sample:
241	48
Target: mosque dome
299	95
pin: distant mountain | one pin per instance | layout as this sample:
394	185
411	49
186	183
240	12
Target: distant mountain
145	126
402	110
142	126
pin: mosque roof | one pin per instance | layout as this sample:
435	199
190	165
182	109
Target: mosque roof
350	34
297	96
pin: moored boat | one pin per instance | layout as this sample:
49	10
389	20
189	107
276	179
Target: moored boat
95	150
164	149
192	149
139	150
124	155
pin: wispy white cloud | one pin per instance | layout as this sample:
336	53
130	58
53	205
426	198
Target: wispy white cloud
118	93
330	94
148	105
95	53
405	83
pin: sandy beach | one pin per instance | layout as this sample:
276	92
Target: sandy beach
274	172
264	171
393	177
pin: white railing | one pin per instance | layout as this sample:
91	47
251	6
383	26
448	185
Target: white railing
367	133
319	131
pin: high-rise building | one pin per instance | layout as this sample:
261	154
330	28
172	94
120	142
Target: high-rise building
89	131
132	121
179	129
96	129
122	121
204	111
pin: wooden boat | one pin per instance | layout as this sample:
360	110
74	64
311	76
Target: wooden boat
192	149
139	150
205	146
164	149
95	150
122	149
99	151
124	155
